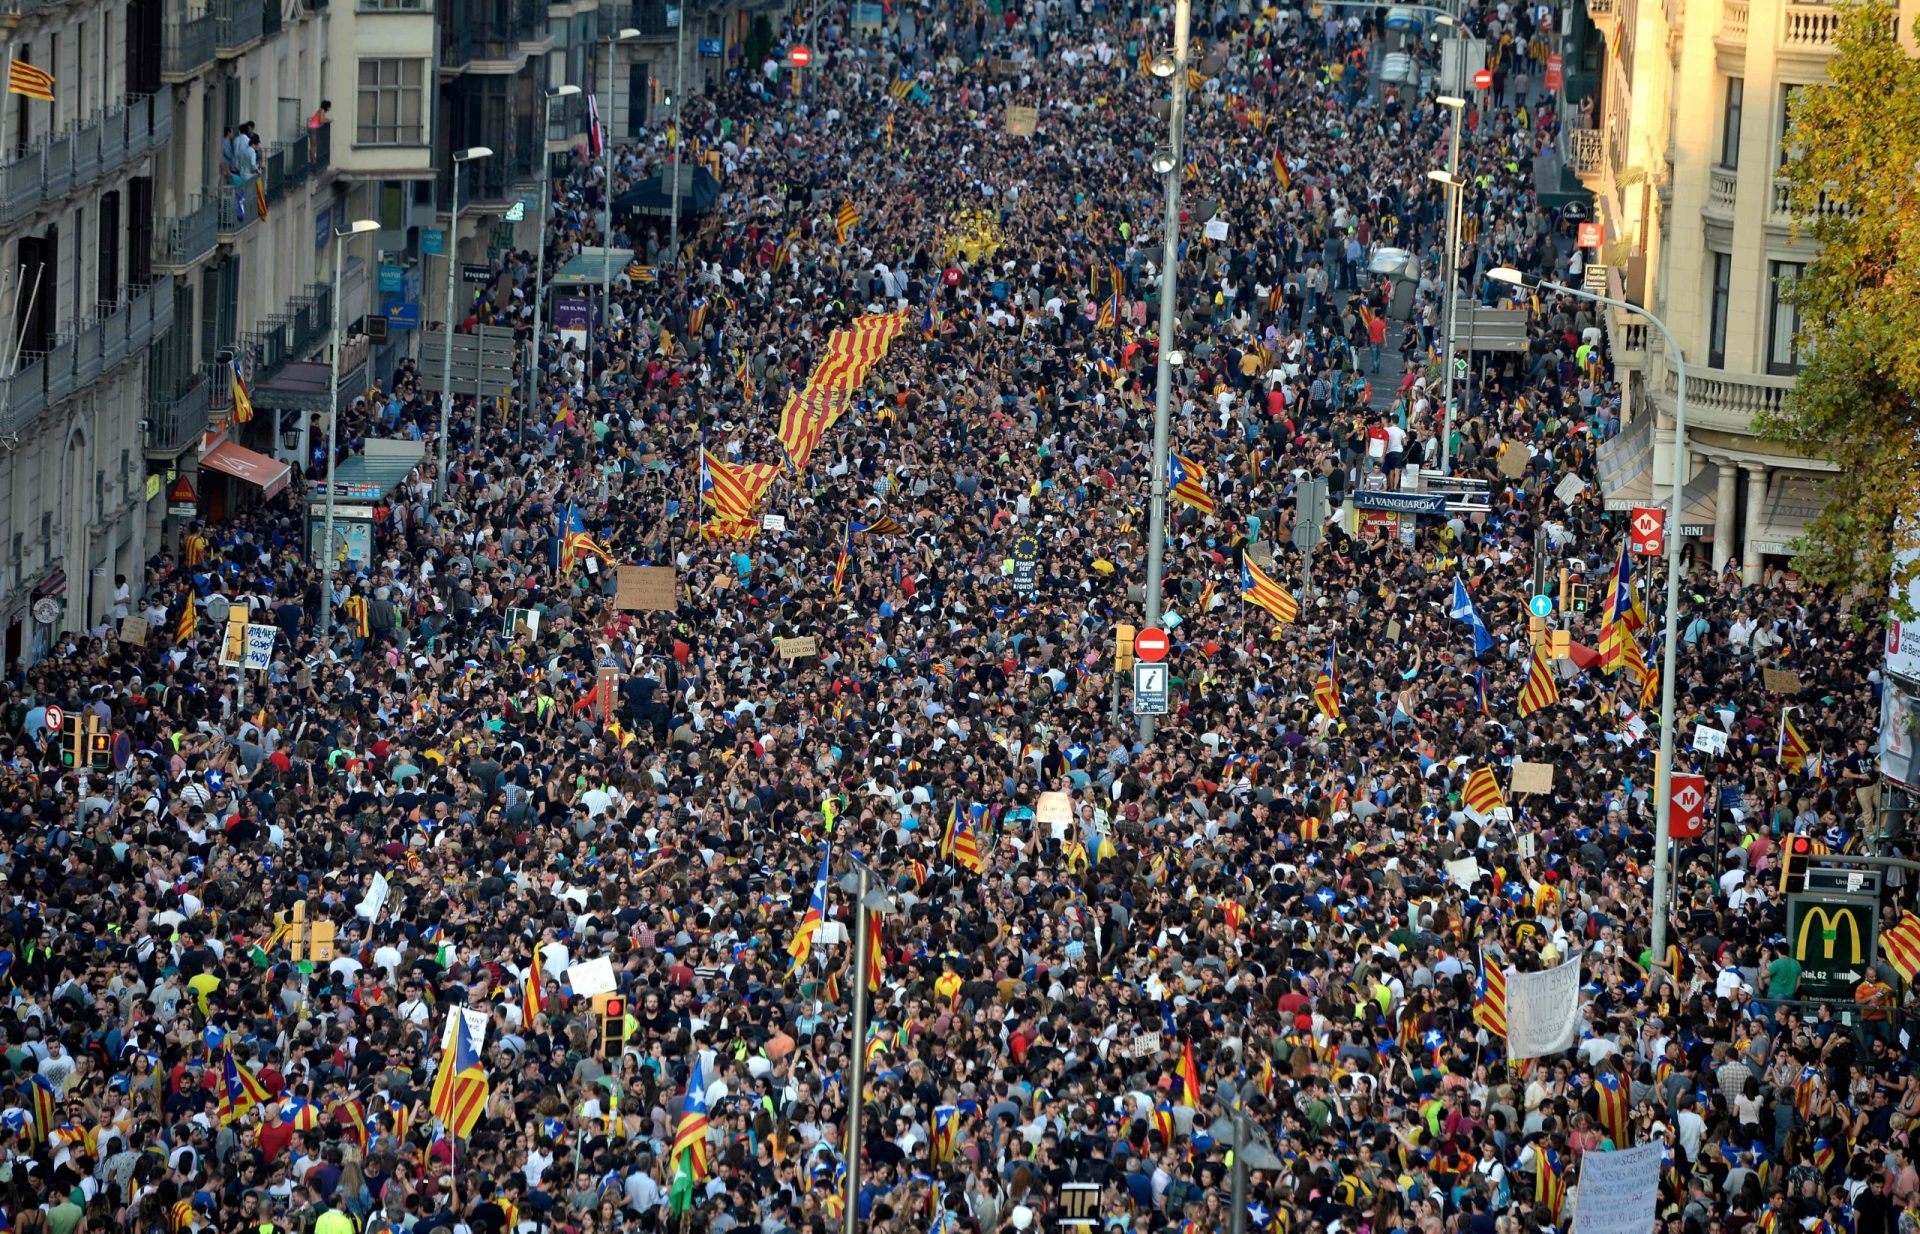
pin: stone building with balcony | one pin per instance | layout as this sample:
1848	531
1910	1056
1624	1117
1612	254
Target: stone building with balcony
247	199
83	303
1688	130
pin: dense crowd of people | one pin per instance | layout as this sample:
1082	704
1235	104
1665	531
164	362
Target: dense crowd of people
510	794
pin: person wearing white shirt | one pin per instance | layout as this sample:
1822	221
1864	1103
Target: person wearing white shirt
643	1194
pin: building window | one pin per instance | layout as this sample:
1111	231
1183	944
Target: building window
1730	123
391	6
391	103
1787	93
1717	323
1783	319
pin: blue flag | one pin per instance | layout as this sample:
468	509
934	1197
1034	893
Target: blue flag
1463	610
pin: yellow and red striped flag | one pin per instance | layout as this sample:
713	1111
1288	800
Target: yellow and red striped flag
1541	690
24	78
846	220
1902	945
1257	587
1482	793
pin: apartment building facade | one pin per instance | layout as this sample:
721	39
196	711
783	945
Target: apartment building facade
1685	131
82	303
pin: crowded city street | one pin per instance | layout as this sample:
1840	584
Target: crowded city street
746	736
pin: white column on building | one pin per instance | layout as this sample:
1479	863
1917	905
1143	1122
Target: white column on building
1756	506
1725	497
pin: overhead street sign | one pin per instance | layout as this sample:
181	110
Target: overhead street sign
1833	937
482	361
1478	328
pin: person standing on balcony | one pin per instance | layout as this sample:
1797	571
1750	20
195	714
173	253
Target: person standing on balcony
323	116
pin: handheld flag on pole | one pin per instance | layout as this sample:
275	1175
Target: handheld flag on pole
1490	1000
1187	1073
816	915
1326	687
1187	482
1541	690
846	221
690	1135
1464	611
1257	587
1482	794
1792	749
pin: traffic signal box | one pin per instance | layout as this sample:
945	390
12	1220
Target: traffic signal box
1794	857
613	1027
84	745
1123	648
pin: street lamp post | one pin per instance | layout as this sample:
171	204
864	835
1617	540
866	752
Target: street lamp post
606	163
679	83
1452	291
340	237
866	899
540	247
1670	648
460	158
1167	163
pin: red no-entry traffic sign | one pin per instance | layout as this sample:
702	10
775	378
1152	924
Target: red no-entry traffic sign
800	57
1151	644
1483	80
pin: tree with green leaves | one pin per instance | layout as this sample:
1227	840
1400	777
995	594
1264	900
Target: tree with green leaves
1854	178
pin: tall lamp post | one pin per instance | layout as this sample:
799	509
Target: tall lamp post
540	247
1451	178
1670	648
341	235
1166	163
606	161
867	898
460	159
679	83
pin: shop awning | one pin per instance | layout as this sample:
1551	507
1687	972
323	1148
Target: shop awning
373	474
589	267
1625	464
263	473
1796	500
300	386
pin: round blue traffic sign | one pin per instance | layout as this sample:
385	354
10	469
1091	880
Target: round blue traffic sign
1541	606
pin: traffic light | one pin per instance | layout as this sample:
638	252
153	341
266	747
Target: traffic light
613	1027
1122	648
73	742
100	750
1797	852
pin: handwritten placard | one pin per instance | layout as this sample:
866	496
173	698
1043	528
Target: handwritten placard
646	589
133	631
1780	680
1532	778
1023	121
797	648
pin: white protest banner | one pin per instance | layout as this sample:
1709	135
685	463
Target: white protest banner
591	977
1709	740
376	899
260	638
1463	871
1619	1191
1543	1011
476	1028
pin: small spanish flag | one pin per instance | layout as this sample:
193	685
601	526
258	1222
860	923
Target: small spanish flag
242	400
23	78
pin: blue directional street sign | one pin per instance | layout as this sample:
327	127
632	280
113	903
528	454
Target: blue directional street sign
1541	606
